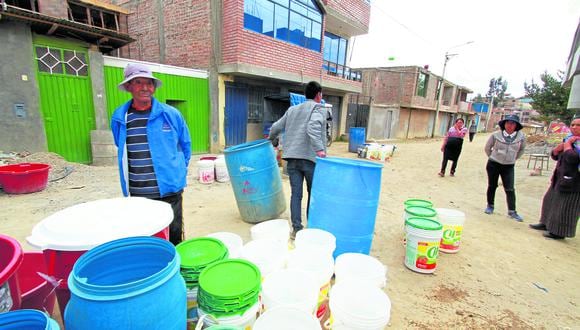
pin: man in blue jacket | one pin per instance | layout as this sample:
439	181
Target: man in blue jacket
154	146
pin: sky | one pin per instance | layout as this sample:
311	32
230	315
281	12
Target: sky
515	39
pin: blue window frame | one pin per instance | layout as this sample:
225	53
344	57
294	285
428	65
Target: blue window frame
295	21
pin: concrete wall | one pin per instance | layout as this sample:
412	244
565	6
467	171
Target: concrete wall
380	126
18	85
414	123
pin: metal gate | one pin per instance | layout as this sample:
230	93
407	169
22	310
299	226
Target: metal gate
66	99
357	115
236	114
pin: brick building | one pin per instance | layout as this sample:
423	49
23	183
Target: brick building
256	52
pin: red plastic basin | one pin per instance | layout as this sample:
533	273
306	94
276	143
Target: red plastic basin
10	260
24	178
36	292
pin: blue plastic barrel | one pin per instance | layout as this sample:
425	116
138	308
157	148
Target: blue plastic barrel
29	319
356	138
256	180
130	283
344	201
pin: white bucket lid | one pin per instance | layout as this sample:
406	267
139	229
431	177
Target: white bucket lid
361	303
267	254
286	318
317	263
232	241
277	229
360	267
205	163
84	226
312	238
278	291
450	215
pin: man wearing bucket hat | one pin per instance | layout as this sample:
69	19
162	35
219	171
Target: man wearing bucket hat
154	146
503	148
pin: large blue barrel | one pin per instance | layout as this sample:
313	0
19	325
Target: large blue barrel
344	201
256	180
130	283
356	138
29	319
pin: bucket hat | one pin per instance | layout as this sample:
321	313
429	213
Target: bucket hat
513	118
136	70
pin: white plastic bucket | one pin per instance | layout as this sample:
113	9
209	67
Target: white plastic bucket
233	242
318	263
277	229
423	239
244	321
452	221
221	171
358	306
360	267
192	315
268	254
290	287
286	318
205	171
315	239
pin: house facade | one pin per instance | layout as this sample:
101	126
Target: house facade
256	53
404	102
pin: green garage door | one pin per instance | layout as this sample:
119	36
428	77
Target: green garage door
66	98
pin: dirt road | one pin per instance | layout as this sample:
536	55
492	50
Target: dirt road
506	276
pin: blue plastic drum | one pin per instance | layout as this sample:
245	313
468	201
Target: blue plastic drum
356	138
29	319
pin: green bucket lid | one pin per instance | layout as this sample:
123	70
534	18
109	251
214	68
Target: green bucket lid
224	327
423	223
197	253
231	278
421	212
418	202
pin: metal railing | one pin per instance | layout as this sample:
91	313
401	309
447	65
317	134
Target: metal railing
341	71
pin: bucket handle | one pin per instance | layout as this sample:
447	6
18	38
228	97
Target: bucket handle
201	321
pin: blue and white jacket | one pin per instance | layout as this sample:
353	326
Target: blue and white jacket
169	144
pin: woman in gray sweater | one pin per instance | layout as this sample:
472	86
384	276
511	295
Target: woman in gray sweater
503	148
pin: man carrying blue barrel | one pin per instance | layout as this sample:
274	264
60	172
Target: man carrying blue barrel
304	127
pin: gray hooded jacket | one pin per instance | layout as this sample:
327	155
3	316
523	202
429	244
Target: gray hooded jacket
501	151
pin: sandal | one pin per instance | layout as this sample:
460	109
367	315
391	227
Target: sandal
441	174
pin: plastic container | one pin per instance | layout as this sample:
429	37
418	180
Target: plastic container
278	290
198	253
360	268
420	212
243	321
205	171
24	178
286	318
277	229
67	234
131	283
232	241
312	239
27	319
344	200
452	221
268	254
423	239
192	312
318	263
356	138
11	257
359	306
256	180
36	291
418	202
221	170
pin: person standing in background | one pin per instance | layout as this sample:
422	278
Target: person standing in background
304	140
472	130
452	145
503	148
154	146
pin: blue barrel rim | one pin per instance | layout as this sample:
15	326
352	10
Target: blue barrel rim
81	288
245	146
24	315
351	162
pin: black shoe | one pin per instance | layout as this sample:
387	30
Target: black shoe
538	226
552	236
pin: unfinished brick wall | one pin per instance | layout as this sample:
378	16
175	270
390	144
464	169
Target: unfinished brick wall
356	10
54	8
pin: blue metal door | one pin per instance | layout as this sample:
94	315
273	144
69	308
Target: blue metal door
236	114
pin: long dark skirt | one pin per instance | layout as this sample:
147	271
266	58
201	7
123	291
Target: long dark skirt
453	148
560	212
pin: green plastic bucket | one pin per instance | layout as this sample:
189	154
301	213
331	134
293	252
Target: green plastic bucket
420	212
423	237
418	202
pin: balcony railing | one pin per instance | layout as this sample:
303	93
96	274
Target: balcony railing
341	71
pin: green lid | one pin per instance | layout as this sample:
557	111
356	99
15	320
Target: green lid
200	252
418	202
423	223
224	327
421	212
232	278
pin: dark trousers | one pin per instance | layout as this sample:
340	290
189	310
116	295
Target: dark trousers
298	170
176	227
444	164
494	171
471	135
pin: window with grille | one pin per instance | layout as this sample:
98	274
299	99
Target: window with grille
256	103
422	81
61	61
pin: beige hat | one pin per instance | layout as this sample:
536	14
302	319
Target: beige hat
136	70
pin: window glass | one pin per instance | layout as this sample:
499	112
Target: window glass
342	51
297	28
281	23
315	36
422	84
335	48
259	16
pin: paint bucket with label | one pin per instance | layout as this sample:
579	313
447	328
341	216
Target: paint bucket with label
423	238
452	221
360	267
221	170
415	210
358	306
205	171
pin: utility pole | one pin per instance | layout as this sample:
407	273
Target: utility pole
447	57
489	111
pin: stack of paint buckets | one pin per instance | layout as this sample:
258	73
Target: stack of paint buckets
427	231
212	168
196	254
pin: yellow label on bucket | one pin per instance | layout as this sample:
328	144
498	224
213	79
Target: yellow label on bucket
451	237
323	294
423	255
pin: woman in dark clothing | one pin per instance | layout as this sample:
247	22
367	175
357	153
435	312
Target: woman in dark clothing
452	145
561	203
